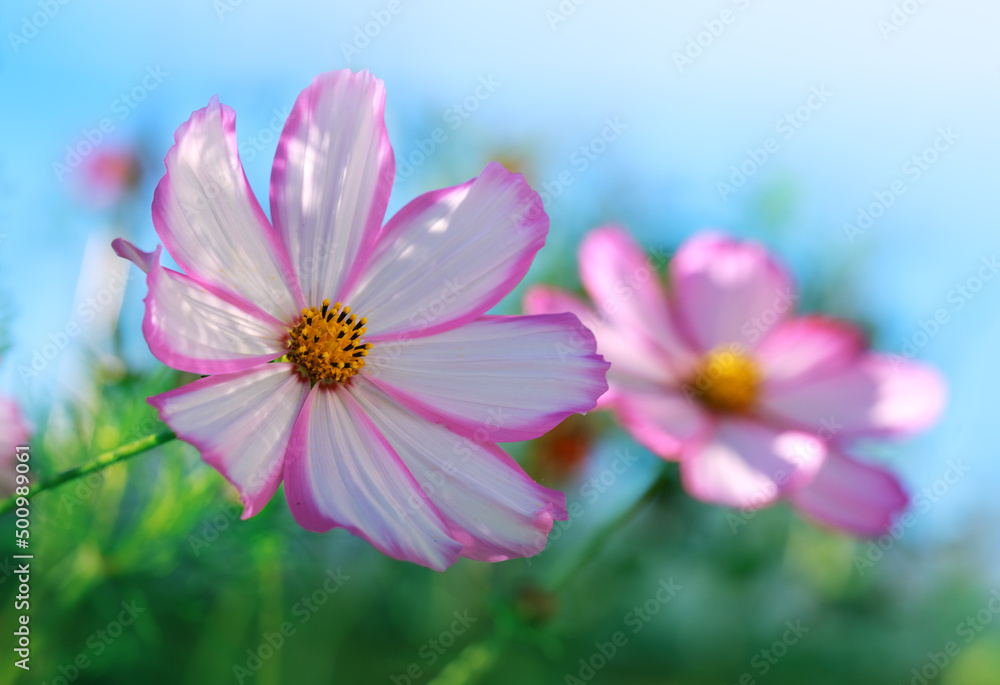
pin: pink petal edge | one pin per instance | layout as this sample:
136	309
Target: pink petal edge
285	195
191	257
517	376
413	530
157	337
851	496
226	443
493	239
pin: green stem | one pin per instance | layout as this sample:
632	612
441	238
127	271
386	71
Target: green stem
101	461
608	530
478	658
473	662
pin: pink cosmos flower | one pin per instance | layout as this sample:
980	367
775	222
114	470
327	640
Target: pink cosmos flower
756	403
109	175
14	431
379	412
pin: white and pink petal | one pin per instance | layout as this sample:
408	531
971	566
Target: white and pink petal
241	423
628	354
877	396
196	328
745	464
449	256
625	285
211	223
341	472
857	498
665	421
497	379
807	347
728	292
331	180
496	510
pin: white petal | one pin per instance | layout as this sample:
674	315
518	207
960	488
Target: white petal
341	472
193	329
750	465
629	354
449	256
212	225
331	180
241	423
497	379
500	512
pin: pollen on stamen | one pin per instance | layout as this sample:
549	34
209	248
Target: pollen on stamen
726	381
320	344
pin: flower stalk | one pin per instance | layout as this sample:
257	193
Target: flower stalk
100	462
597	542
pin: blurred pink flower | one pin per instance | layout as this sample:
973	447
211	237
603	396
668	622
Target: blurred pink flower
756	403
393	438
14	431
562	452
108	175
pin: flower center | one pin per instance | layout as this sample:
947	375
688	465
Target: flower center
726	381
327	343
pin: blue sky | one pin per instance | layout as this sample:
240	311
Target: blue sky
697	86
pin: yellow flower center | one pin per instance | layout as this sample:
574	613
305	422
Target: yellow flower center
726	381
327	343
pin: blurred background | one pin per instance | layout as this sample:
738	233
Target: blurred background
857	139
